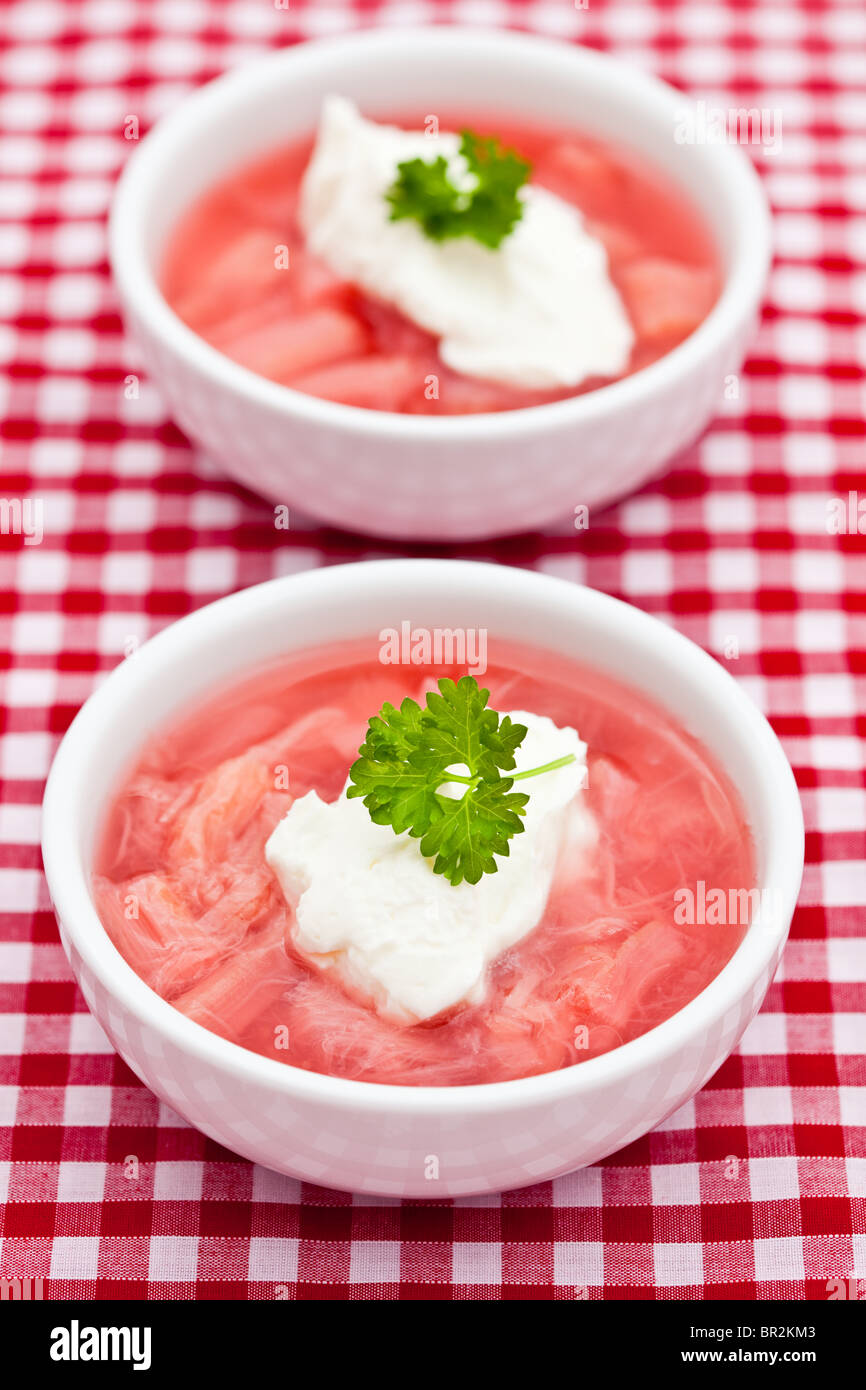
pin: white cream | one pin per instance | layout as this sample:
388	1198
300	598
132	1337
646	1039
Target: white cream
368	905
540	311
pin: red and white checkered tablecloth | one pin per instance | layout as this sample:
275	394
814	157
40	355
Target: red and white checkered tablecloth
755	1189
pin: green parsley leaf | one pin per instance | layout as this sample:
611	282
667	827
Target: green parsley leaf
488	212
405	758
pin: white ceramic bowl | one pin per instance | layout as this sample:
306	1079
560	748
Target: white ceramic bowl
455	477
369	1137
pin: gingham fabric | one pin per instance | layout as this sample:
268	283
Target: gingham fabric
756	1189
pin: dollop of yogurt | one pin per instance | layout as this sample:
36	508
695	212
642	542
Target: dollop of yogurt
539	311
368	905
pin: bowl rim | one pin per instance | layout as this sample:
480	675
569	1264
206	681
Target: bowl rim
742	288
68	877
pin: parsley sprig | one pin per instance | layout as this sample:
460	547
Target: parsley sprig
405	758
488	212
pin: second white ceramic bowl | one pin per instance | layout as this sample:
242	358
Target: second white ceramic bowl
403	1140
422	477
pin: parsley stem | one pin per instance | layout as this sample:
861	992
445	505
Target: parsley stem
515	776
545	767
